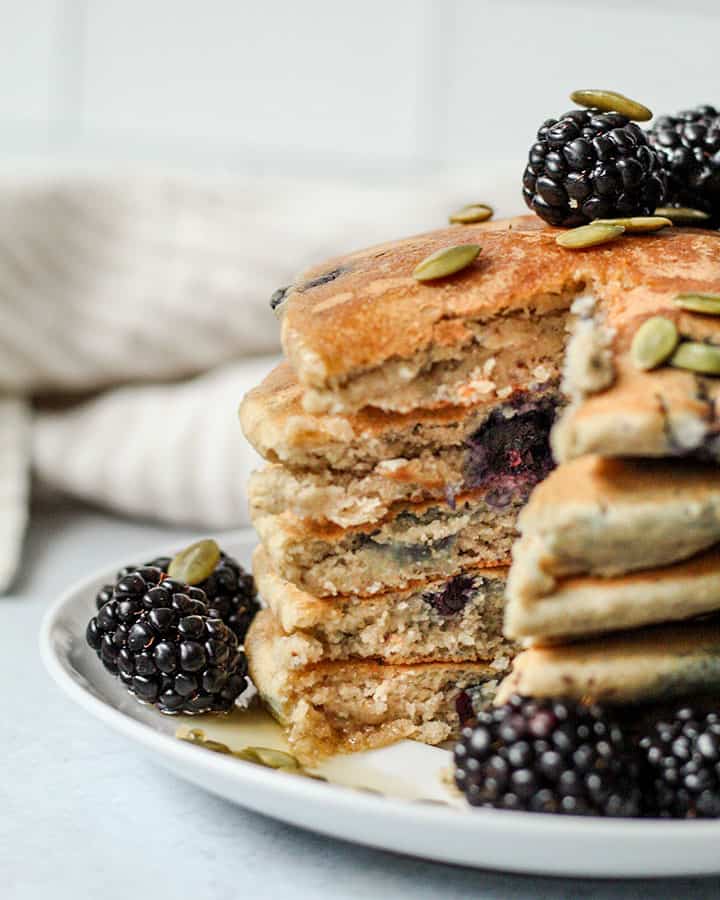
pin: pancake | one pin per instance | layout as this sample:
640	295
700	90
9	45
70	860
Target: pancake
354	469
619	410
600	516
359	330
656	664
415	542
341	707
457	619
585	605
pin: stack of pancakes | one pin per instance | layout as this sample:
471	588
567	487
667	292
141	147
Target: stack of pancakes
403	437
615	584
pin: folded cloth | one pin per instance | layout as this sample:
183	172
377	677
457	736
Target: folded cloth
116	293
14	479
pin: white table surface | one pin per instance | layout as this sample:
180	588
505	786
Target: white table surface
83	814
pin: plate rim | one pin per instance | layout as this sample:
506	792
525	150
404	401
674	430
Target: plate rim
339	799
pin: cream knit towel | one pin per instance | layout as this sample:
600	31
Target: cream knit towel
117	295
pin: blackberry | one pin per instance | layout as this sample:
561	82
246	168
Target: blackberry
454	595
106	591
688	145
682	753
548	756
158	636
231	595
230	591
590	165
511	452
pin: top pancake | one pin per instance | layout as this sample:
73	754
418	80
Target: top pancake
373	312
619	410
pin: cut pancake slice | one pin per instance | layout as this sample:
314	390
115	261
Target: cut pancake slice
414	543
452	619
360	330
589	605
352	470
349	706
655	664
607	517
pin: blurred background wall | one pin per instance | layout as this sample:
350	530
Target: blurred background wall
320	87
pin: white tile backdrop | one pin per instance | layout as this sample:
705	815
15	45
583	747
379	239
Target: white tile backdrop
330	87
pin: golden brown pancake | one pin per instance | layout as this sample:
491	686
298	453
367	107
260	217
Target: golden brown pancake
360	330
584	605
603	516
344	707
619	410
655	664
456	619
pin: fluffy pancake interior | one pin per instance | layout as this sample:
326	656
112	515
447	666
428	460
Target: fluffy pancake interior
350	706
449	619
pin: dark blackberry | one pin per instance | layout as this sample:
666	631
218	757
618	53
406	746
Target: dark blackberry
453	597
510	453
688	145
231	595
683	763
159	638
590	165
229	591
548	756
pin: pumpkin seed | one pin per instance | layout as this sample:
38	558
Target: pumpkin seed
445	262
682	215
273	759
589	236
654	342
697	357
700	303
216	746
611	101
197	736
473	212
637	224
195	563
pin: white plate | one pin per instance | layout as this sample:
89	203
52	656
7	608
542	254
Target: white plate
518	842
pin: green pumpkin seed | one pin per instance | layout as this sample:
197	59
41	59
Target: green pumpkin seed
216	747
697	357
473	212
273	759
197	736
637	224
654	342
589	236
611	101
700	303
445	262
195	563
248	756
682	215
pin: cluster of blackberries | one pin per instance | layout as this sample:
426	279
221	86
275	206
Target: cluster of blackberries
174	645
590	164
559	756
688	146
229	590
